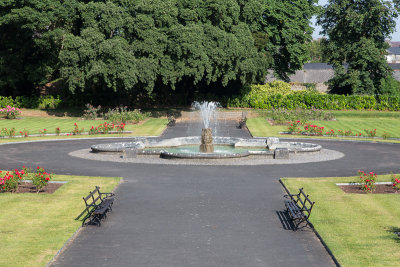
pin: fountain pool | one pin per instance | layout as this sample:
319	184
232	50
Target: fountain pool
207	146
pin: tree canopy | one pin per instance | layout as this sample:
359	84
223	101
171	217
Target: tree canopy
287	26
133	47
356	46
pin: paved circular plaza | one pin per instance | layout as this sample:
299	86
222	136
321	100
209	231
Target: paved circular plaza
196	215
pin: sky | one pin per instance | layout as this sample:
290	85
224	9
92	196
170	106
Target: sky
395	36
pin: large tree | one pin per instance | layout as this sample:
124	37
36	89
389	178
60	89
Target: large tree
31	34
150	47
356	46
139	45
286	25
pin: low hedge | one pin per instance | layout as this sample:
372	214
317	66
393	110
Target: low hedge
42	102
307	100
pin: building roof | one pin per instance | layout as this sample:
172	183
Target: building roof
394	50
317	66
395	66
326	66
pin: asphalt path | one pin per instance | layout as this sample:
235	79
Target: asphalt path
180	215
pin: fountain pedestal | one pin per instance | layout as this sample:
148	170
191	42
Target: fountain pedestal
206	141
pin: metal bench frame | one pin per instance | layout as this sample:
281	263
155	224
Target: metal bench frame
299	207
97	206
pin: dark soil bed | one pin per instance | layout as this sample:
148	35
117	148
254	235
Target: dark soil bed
380	189
30	188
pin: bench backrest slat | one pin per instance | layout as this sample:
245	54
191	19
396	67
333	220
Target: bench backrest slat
93	198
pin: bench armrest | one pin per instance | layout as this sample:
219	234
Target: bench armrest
108	194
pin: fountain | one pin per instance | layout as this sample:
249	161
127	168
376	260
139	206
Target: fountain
206	141
206	146
208	112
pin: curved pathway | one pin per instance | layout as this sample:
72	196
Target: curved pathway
179	215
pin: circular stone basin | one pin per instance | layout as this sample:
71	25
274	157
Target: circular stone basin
188	147
193	152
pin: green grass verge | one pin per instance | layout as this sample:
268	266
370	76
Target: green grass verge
358	228
66	125
151	127
258	126
358	124
365	113
34	227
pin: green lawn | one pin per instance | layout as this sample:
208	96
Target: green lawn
358	228
34	226
356	121
259	126
151	127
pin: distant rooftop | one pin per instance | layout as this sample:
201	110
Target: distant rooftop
394	50
326	66
317	66
394	44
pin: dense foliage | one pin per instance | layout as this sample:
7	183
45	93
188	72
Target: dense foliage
356	47
309	99
287	27
282	116
153	50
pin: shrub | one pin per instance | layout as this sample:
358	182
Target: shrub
309	100
24	133
49	102
370	133
90	112
395	181
43	132
390	86
58	131
40	179
93	131
104	128
10	112
346	133
76	130
312	129
7	132
121	127
11	180
330	133
281	115
7	101
386	135
294	126
367	181
123	115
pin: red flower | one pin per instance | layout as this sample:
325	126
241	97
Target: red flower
47	178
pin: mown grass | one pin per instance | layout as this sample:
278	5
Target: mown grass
35	226
150	127
358	228
356	121
66	125
365	113
358	124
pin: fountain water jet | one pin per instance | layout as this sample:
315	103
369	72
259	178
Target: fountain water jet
207	112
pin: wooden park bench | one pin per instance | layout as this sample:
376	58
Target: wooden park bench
299	207
97	206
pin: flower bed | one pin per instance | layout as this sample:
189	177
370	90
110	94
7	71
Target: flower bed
380	189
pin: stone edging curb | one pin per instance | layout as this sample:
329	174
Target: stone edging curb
316	233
